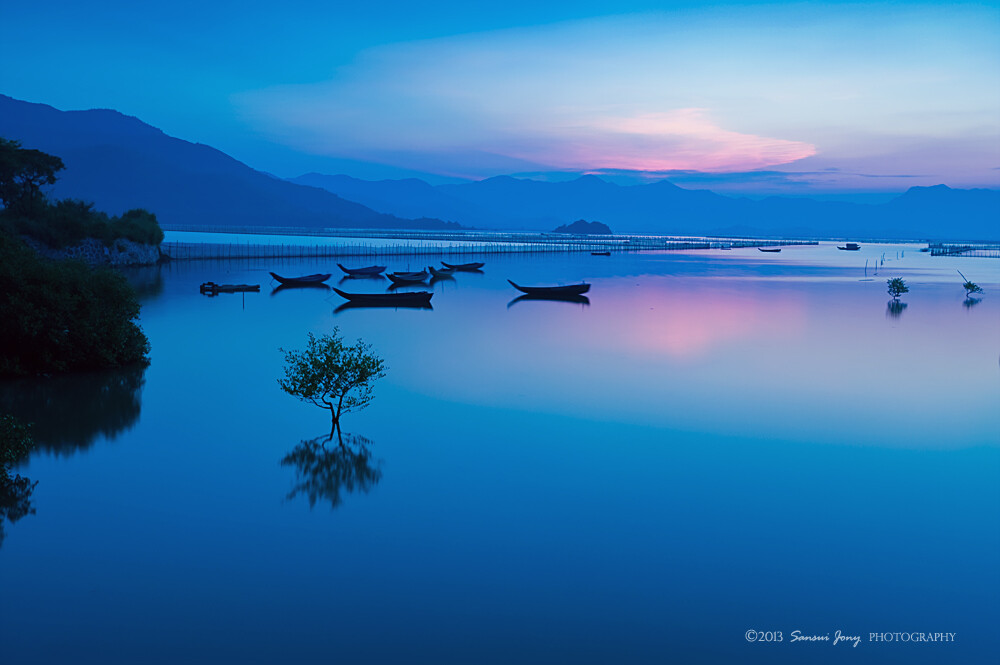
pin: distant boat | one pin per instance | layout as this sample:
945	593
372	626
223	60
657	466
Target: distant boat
369	270
768	249
441	272
305	279
571	290
408	277
600	253
410	299
211	288
726	246
463	267
850	247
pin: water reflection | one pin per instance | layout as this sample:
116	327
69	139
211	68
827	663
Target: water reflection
971	302
299	287
377	305
327	467
146	280
579	300
894	309
69	412
15	500
347	279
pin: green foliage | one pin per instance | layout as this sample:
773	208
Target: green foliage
15	444
69	222
972	287
897	287
23	172
27	212
61	316
331	375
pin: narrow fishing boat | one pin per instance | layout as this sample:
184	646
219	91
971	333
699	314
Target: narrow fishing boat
367	271
441	272
570	290
850	247
211	288
600	253
463	267
408	277
768	249
305	279
418	298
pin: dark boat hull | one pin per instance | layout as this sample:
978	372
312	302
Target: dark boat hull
407	277
363	272
301	281
600	253
211	288
556	291
464	267
761	249
410	299
447	272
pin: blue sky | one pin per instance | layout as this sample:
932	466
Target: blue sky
780	97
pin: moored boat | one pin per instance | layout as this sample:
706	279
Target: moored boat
600	253
441	272
464	267
768	249
850	247
318	278
366	271
408	277
211	288
417	298
569	290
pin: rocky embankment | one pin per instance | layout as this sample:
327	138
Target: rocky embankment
122	252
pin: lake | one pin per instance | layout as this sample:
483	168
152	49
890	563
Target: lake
718	448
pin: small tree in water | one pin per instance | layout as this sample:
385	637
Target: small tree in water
897	287
331	375
970	286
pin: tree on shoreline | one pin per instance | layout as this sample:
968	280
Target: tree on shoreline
331	375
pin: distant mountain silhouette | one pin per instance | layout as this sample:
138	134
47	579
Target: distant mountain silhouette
583	227
504	202
119	162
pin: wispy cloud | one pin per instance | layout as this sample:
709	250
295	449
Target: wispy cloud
870	88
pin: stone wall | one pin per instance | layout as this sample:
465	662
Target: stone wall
93	252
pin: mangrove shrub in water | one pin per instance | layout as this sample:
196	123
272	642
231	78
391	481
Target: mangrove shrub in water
332	375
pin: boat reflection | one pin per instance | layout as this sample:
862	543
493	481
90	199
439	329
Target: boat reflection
327	468
347	279
69	412
299	287
578	300
377	305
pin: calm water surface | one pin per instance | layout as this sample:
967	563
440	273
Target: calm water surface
717	442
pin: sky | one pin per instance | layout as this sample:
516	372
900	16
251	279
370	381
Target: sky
738	97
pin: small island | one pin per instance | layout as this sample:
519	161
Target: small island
583	227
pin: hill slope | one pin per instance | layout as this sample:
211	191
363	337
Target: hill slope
120	162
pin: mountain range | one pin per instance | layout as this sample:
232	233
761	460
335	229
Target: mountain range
119	162
920	213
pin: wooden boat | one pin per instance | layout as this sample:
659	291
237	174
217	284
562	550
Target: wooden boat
600	253
408	277
442	272
411	299
212	288
850	247
305	279
768	249
463	267
571	290
366	271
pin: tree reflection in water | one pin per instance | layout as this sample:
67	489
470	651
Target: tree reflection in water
327	467
69	412
15	500
894	309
